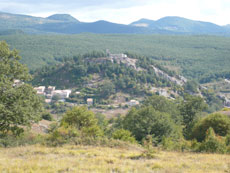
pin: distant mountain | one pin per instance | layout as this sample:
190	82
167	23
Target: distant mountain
227	26
63	17
144	23
182	25
66	24
94	27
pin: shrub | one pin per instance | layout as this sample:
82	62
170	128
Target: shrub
83	120
76	123
171	144
213	143
62	135
123	135
25	138
47	116
227	140
219	122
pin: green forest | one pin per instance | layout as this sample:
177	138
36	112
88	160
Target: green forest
156	125
204	58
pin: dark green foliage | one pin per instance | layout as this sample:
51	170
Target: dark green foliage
189	110
199	57
19	104
162	104
114	77
148	121
218	122
191	87
47	116
107	89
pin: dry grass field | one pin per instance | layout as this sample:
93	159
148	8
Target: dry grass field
43	159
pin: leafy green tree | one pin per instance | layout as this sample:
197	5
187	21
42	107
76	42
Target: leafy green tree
218	122
162	104
106	89
190	109
148	121
19	104
191	86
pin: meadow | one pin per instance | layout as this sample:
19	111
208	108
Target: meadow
77	158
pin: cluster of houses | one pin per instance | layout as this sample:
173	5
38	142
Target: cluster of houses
50	92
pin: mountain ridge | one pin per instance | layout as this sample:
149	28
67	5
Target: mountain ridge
67	24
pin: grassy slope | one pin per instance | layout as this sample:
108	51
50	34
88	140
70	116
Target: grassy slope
195	55
98	159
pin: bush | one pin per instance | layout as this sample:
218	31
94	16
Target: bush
219	122
123	135
76	123
171	144
213	143
83	120
62	135
47	116
25	138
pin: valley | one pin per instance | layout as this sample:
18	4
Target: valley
149	96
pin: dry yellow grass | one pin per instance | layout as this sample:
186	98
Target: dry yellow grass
43	159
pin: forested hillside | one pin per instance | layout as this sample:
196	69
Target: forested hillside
196	57
102	75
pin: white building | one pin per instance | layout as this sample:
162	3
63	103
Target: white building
40	90
133	103
62	94
50	89
89	101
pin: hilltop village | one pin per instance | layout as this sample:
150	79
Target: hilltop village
51	93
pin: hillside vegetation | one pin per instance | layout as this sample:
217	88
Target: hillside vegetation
196	57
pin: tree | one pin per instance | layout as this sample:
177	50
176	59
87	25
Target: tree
148	121
189	109
191	86
19	104
106	89
218	122
162	104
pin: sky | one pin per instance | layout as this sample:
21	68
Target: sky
123	11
